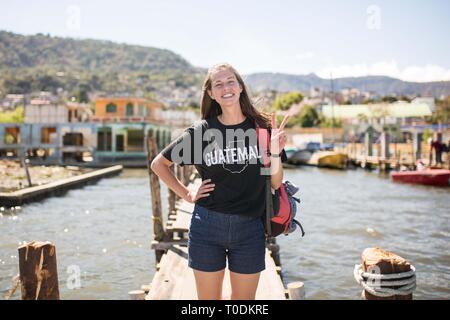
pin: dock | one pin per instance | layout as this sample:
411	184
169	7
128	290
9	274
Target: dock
175	280
36	193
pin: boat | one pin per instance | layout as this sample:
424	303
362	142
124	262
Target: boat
430	177
328	159
316	154
299	156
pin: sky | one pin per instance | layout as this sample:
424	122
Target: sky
405	39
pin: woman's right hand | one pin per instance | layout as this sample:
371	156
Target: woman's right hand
202	192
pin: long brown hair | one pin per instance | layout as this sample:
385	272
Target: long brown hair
210	108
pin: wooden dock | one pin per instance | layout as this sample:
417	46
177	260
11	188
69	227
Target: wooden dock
175	280
36	193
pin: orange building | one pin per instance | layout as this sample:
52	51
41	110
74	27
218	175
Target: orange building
125	109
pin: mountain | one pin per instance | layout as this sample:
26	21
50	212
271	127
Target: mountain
42	62
380	84
45	63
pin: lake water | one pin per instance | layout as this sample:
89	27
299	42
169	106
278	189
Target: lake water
103	231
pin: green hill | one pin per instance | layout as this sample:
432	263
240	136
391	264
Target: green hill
43	62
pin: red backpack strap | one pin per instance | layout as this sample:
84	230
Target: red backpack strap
263	137
263	143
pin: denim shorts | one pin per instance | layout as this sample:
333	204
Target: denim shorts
214	236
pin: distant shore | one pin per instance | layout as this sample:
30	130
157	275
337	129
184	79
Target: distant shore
13	177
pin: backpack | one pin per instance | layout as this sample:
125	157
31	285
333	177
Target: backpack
281	207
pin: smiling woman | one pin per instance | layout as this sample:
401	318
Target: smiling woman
227	224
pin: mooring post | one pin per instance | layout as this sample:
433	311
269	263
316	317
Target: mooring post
24	164
38	271
137	294
368	142
296	290
417	146
274	248
385	276
158	227
384	152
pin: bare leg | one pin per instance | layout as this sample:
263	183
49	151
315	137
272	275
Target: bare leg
243	286
209	284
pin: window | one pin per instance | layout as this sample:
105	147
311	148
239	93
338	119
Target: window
12	135
135	140
129	111
111	108
104	139
48	135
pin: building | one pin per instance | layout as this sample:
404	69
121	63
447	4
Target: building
88	143
11	101
46	111
427	100
401	113
125	109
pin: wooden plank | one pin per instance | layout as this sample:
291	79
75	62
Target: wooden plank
165	245
175	280
172	269
184	206
270	286
181	223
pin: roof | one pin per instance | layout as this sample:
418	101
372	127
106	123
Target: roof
396	110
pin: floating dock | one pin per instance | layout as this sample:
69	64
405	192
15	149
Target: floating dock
17	198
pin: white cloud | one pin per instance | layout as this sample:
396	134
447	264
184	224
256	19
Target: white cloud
424	73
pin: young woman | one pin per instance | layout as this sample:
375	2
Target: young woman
227	224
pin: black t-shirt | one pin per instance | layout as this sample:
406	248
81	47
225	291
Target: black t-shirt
229	155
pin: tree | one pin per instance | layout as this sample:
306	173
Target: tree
83	90
329	123
442	113
285	101
293	121
15	116
389	99
309	117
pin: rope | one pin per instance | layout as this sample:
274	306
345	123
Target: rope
15	284
373	284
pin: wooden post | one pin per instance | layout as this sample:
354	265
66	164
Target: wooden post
368	137
172	197
386	263
137	295
274	249
38	271
24	164
187	174
417	146
385	140
158	227
296	290
180	174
